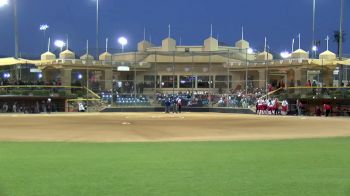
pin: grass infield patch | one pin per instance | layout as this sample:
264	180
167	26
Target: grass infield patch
291	167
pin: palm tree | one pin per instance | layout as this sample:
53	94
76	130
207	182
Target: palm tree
336	38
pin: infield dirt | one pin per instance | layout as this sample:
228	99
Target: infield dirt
157	127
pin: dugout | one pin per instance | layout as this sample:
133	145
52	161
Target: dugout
29	104
340	107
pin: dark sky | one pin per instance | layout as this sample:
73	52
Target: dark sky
279	20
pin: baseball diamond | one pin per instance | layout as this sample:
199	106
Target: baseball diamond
173	154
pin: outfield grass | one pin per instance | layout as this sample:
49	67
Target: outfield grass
294	167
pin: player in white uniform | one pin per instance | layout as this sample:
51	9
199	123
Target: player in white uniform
284	107
260	106
270	105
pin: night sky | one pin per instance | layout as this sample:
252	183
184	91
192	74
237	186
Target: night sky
279	20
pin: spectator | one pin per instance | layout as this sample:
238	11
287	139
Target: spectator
5	108
327	108
167	106
308	83
179	105
299	106
318	111
14	107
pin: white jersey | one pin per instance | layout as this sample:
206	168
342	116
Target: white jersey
179	101
81	107
284	103
273	102
270	104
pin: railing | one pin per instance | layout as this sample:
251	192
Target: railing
42	91
232	100
312	93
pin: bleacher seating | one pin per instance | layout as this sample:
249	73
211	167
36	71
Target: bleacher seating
132	101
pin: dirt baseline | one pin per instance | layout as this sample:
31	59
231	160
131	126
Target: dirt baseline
156	127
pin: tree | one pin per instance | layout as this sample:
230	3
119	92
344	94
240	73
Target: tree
336	39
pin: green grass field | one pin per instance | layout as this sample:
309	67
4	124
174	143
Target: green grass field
292	167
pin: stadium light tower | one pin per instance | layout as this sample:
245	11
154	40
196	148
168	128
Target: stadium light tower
15	21
97	25
313	25
250	50
314	50
123	42
3	3
44	28
341	38
341	28
60	44
285	54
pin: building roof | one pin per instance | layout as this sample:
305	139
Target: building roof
328	55
87	57
300	51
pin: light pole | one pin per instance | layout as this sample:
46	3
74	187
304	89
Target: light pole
135	75
97	26
246	71
314	50
341	74
123	42
44	28
228	76
247	51
156	74
87	76
174	72
18	67
313	25
16	28
193	79
15	22
341	29
210	75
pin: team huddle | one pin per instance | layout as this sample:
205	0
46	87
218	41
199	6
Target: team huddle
271	107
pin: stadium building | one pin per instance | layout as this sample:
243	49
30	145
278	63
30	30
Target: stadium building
208	69
172	68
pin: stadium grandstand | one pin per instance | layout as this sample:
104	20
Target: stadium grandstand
212	75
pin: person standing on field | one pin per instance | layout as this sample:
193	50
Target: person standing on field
5	108
167	106
276	107
284	107
327	108
81	107
179	105
174	105
299	106
14	107
43	107
49	105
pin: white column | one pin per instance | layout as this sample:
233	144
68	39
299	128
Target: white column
262	78
108	79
